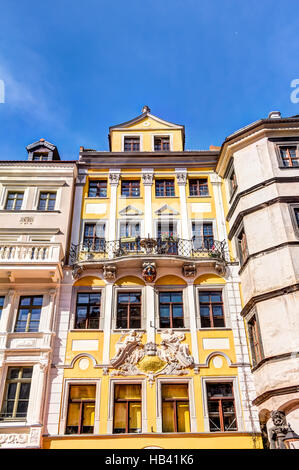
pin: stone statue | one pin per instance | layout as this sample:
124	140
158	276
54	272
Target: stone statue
278	431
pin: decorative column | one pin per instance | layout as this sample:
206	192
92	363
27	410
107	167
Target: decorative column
192	319
107	322
80	183
114	180
46	324
216	184
35	411
150	313
147	179
181	177
5	320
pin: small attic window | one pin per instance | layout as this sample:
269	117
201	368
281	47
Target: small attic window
40	157
161	143
131	144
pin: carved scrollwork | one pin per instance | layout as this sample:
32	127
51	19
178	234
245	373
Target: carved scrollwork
169	357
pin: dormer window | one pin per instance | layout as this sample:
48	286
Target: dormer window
131	144
161	143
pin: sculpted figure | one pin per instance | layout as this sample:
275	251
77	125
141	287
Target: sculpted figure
278	431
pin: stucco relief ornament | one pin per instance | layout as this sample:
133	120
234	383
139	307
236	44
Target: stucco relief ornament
109	273
149	272
77	271
170	357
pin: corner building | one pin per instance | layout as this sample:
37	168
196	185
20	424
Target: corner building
151	349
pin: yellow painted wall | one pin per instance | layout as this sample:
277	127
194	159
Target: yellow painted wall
147	128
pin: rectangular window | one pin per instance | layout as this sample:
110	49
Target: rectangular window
128	310
242	246
211	309
289	156
16	395
14	201
94	237
46	201
40	157
202	235
131	144
81	409
2	298
130	188
221	407
171	309
161	143
88	310
165	188
198	187
127	409
131	232
254	340
175	408
296	211
97	188
232	181
29	313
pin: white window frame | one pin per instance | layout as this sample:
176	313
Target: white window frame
119	381
7	188
130	220
169	381
65	400
86	290
44	314
47	189
116	291
237	400
208	221
172	288
162	135
93	221
225	301
140	135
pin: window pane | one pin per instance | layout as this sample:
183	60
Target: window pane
83	298
135	417
73	417
168	424
176	297
83	392
175	391
183	417
127	391
120	417
88	418
165	297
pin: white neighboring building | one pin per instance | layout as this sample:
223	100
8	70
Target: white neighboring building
35	220
260	164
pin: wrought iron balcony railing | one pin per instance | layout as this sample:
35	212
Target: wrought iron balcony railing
100	249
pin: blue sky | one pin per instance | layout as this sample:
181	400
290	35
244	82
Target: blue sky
71	69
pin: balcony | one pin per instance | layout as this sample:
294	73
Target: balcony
37	258
99	250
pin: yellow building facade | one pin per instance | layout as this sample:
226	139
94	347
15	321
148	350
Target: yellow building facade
150	348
